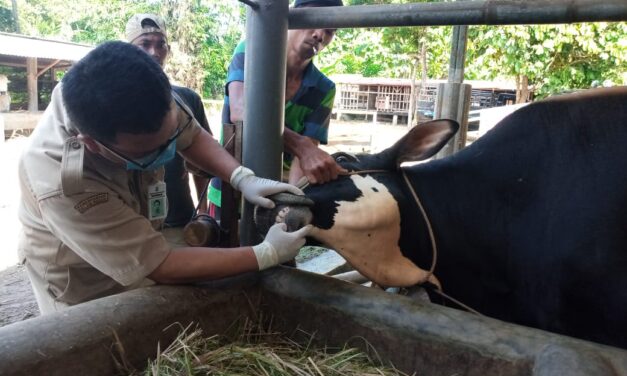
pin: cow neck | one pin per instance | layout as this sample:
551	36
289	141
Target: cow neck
434	247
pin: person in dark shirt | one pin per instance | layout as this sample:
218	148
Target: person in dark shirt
148	32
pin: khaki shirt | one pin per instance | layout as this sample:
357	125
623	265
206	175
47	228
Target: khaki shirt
85	230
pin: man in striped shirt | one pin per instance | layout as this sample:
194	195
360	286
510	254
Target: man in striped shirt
309	96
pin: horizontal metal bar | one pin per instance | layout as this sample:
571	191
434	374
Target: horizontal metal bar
486	12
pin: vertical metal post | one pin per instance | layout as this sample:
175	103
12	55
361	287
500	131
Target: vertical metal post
453	100
458	54
264	86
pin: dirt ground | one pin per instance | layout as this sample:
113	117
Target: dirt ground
16	298
17	301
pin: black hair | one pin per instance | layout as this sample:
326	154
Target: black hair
117	87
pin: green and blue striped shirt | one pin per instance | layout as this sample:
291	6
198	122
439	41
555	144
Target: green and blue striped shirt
308	113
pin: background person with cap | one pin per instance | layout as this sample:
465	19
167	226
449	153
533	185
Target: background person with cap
309	97
94	166
148	32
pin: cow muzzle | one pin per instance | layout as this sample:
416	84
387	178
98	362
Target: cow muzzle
291	209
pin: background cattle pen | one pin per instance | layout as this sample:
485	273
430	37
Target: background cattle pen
31	66
389	99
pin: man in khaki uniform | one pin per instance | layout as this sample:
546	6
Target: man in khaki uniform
93	170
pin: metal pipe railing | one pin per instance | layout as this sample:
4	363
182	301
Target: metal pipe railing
264	86
486	12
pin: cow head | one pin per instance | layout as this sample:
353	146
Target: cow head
359	214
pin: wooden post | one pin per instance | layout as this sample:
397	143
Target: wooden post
31	72
411	110
231	199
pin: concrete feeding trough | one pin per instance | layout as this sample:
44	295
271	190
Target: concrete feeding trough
414	336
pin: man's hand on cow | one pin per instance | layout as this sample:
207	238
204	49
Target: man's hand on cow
255	189
318	166
280	246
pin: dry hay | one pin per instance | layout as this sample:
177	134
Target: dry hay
255	351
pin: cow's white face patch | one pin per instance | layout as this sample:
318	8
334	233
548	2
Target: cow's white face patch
367	231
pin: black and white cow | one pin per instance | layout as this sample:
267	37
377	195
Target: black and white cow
530	221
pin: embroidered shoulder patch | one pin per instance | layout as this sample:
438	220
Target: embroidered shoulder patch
91	201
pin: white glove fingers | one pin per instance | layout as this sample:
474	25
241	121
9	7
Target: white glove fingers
278	227
290	188
303	231
299	245
263	202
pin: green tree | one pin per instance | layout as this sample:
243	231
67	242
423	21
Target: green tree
549	58
202	33
7	21
389	52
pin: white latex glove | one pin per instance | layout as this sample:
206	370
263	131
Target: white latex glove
279	245
255	189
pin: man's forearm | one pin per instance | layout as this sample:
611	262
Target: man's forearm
236	101
295	143
208	155
316	164
185	265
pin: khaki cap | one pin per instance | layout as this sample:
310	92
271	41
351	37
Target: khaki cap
134	28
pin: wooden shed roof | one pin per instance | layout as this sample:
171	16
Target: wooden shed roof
15	48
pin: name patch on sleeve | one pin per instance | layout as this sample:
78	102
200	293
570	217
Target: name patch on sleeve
91	201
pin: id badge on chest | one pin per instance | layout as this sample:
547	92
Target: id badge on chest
157	201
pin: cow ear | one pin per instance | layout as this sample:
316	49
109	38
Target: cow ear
424	140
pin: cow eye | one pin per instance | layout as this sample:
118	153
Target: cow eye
344	158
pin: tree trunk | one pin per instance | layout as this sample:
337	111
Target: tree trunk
522	89
16	20
423	60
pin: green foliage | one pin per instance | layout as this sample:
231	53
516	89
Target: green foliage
82	21
203	34
555	58
223	30
7	24
18	87
386	52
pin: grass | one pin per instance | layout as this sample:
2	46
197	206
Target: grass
308	252
255	351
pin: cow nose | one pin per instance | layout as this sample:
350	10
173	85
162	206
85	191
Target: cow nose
293	210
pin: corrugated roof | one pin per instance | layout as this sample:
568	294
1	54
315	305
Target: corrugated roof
21	45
